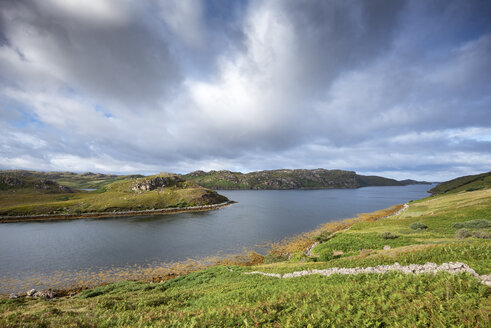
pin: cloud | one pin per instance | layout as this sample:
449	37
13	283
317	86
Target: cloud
400	88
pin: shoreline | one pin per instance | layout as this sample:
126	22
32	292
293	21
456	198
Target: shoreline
65	291
58	217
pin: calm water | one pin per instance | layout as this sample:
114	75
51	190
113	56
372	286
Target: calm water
259	216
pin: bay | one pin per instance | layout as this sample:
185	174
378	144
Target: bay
259	216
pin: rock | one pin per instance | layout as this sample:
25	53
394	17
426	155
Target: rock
11	181
386	247
31	292
13	296
47	294
157	182
51	185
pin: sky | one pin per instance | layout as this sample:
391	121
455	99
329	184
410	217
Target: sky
400	89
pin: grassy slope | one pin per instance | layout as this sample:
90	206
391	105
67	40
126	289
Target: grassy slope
116	196
467	183
74	180
219	297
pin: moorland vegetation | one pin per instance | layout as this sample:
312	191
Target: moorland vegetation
223	295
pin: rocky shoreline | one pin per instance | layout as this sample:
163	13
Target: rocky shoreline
171	210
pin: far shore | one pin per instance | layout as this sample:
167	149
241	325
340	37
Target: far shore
171	210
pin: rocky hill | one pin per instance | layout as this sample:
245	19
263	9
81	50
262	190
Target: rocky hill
289	179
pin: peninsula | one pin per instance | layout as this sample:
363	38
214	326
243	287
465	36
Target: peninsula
27	196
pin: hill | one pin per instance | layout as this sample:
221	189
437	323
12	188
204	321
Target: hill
291	288
466	183
25	195
87	180
12	181
289	179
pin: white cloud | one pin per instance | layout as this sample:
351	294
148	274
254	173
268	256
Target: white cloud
99	11
185	19
121	87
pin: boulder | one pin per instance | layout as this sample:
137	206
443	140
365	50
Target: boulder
47	294
31	292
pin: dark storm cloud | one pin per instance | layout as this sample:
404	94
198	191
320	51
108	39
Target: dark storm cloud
396	87
111	54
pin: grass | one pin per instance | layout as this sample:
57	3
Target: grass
222	296
116	196
468	183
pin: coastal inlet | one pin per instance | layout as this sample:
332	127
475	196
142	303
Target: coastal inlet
49	254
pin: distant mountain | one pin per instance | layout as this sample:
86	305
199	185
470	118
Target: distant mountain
465	183
290	179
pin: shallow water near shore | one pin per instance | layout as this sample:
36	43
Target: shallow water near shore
44	254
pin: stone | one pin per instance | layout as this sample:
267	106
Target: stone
13	296
47	294
31	292
157	182
386	247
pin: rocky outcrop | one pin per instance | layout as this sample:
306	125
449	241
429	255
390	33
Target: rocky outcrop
46	294
49	185
157	182
12	181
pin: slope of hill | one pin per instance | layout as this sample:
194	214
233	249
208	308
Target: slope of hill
22	195
296	295
11	181
86	180
466	183
289	179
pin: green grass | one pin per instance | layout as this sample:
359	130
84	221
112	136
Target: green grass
468	183
353	243
218	297
476	253
116	196
73	180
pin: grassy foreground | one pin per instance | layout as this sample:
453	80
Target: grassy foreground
222	296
